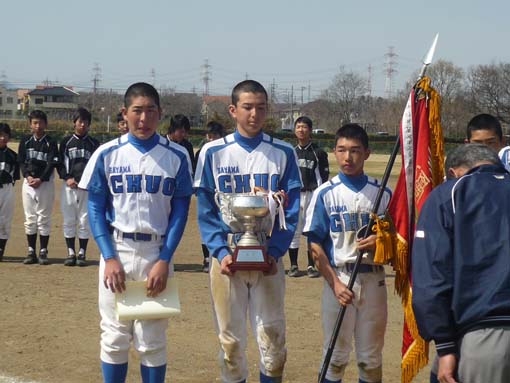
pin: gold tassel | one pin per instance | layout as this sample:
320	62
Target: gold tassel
384	244
436	131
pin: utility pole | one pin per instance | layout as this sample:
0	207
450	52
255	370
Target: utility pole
206	76
292	104
246	76
3	79
302	90
309	91
96	79
390	70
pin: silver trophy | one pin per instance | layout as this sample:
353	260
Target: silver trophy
247	214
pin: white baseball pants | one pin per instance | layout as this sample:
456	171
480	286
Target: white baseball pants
148	336
365	319
74	212
263	296
304	201
38	204
6	209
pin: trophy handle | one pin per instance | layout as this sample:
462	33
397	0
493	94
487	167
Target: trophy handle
217	199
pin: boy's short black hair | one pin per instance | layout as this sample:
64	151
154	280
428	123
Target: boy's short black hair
83	114
247	86
352	131
214	127
304	120
484	121
5	129
141	89
120	117
38	114
179	121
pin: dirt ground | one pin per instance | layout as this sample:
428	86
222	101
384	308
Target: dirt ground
49	321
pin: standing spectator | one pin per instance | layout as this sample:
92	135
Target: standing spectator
314	167
9	173
214	131
178	131
38	156
122	124
75	152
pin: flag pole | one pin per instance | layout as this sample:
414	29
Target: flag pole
427	60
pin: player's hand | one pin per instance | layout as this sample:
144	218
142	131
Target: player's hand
367	244
114	276
342	293
71	182
34	182
157	278
225	265
447	369
274	266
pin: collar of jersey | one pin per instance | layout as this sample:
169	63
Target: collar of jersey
355	183
248	143
143	145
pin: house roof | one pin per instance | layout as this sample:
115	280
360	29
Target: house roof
53	91
223	99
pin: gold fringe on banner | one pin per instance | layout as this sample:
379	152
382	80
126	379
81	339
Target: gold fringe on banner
384	244
417	355
400	263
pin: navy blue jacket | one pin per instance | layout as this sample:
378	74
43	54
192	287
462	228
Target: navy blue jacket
461	257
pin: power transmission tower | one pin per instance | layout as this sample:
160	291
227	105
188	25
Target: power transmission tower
369	82
206	76
390	70
96	79
153	77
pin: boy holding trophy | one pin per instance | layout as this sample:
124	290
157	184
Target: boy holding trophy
246	247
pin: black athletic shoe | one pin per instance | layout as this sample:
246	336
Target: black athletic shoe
313	272
43	257
1	255
70	260
31	258
294	271
205	266
80	261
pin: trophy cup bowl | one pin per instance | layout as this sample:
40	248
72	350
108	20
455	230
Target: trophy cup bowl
250	210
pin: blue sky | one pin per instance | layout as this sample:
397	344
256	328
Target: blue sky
296	43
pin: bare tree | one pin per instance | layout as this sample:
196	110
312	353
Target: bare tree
344	92
489	88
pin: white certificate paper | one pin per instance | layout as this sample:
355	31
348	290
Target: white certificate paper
134	303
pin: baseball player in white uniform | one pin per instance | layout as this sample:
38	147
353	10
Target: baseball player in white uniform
139	193
38	156
75	152
339	208
9	174
237	163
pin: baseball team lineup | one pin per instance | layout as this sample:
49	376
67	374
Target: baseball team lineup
133	194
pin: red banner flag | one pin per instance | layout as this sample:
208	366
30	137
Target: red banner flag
421	141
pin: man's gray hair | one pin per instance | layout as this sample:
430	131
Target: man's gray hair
471	155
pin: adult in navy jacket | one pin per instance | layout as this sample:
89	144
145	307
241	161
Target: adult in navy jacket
461	273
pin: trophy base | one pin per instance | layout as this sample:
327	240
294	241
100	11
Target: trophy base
250	258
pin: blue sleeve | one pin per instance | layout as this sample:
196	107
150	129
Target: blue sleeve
176	225
432	271
280	239
183	181
212	228
99	225
98	204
